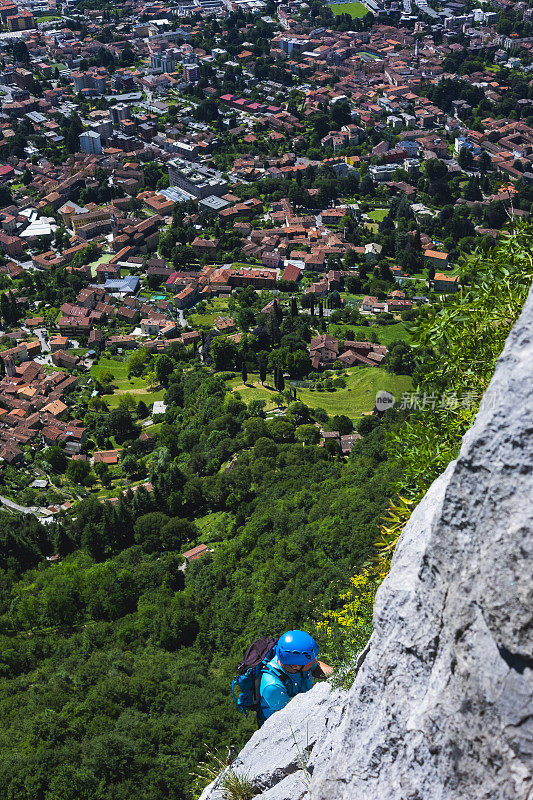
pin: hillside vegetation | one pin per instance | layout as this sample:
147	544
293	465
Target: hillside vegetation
116	664
355	399
457	346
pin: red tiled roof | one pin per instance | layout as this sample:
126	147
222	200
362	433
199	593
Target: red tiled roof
291	273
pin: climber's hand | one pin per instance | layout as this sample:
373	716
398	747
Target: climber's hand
322	670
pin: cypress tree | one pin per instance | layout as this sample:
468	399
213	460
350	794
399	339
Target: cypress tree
142	410
4	308
14	311
273	328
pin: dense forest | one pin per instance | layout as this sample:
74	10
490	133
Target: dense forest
116	664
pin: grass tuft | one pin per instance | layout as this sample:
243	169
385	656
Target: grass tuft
232	784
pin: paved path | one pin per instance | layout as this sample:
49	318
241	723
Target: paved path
42	336
23	509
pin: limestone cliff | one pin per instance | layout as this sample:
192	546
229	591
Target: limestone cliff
441	707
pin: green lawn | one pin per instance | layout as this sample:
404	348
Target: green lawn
137	387
104	259
352	299
391	333
216	307
141	393
202	320
153	429
47	18
360	393
371	56
356	399
378	214
353	9
214	527
385	333
253	389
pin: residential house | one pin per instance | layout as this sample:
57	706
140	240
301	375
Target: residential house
205	246
445	283
106	457
151	327
436	259
196	552
323	351
292	273
372	304
62	358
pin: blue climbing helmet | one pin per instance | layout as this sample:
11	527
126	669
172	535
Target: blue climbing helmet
296	648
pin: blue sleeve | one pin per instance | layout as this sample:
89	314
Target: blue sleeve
273	698
274	695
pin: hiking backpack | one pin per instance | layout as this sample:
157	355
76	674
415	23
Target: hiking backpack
249	671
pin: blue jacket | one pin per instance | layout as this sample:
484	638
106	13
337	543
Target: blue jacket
274	695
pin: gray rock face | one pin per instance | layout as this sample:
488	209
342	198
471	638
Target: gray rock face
276	757
441	708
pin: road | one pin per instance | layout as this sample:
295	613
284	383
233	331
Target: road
37	510
42	335
43	339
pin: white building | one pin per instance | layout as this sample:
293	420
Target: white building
166	62
104	127
90	142
119	112
150	327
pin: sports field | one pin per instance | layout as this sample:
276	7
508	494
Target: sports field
353	9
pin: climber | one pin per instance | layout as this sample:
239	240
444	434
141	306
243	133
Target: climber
289	672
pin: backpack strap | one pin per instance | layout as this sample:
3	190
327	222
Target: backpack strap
278	673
